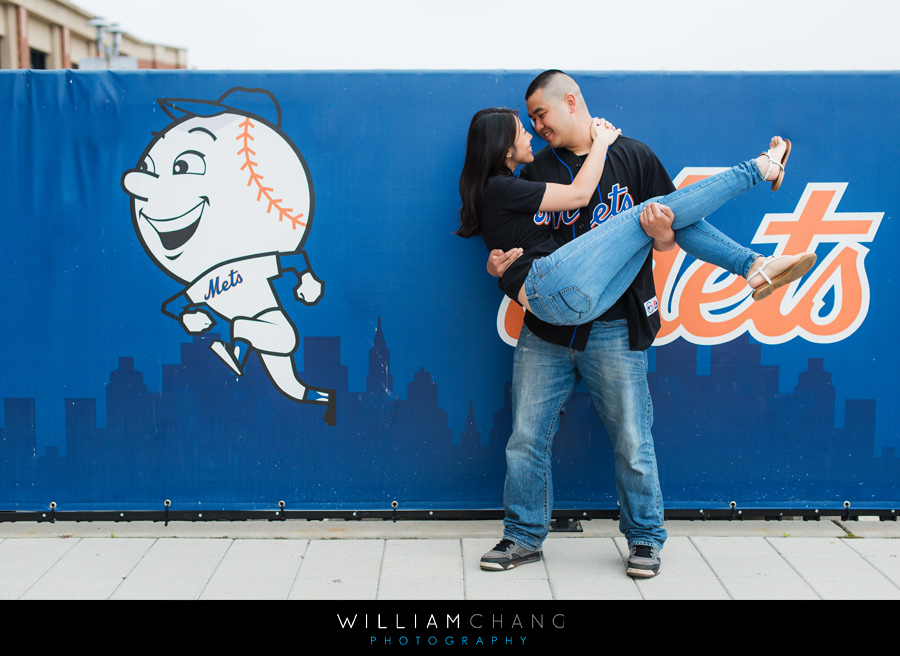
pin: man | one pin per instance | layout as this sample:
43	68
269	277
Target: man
609	354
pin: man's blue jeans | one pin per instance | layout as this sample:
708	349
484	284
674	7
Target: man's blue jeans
544	377
582	279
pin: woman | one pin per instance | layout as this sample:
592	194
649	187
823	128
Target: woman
577	282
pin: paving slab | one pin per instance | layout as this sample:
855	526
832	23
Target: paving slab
93	568
429	588
339	559
834	569
583	559
331	588
256	569
174	568
622	588
24	561
882	553
422	559
750	568
502	588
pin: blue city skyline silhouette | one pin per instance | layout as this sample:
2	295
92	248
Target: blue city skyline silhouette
208	439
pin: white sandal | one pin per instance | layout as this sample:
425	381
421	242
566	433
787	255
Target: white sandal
776	184
792	273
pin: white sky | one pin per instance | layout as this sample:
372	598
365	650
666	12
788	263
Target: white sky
651	35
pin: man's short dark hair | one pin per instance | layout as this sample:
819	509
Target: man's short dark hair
542	81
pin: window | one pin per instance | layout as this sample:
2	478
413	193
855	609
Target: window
38	59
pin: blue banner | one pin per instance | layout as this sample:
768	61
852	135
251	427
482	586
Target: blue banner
231	289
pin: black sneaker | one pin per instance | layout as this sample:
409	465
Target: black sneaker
507	554
643	561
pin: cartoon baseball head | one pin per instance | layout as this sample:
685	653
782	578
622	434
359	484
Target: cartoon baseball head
219	184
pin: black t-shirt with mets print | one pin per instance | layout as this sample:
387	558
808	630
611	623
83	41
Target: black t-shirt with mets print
507	220
632	174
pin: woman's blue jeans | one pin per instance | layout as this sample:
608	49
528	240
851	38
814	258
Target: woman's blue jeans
582	279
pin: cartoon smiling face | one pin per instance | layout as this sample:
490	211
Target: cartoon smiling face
215	189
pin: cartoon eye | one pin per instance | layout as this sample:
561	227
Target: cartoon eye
190	161
147	165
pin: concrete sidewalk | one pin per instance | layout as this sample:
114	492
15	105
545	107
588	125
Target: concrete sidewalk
382	560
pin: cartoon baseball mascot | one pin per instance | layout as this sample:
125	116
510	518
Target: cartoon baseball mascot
222	201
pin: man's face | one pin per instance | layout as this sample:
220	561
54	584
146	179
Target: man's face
552	119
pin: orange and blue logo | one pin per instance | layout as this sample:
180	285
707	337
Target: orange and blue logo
704	305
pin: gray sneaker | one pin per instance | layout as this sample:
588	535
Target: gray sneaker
506	555
643	561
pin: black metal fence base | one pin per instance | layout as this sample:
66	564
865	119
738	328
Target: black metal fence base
565	525
563	519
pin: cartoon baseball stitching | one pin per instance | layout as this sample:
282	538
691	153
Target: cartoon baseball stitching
222	201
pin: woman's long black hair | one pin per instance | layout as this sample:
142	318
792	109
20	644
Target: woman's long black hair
491	134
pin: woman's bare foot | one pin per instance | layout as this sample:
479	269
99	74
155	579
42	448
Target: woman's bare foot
769	273
771	163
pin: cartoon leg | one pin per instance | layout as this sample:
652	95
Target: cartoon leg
271	331
275	339
281	371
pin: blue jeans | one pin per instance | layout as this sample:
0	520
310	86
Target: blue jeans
582	279
544	377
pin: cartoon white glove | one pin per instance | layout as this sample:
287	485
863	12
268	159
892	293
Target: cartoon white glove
309	291
196	322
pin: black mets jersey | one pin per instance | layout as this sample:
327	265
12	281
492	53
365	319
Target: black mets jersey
632	174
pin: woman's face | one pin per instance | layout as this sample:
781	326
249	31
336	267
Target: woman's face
520	153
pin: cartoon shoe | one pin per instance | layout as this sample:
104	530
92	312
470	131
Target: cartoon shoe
327	396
